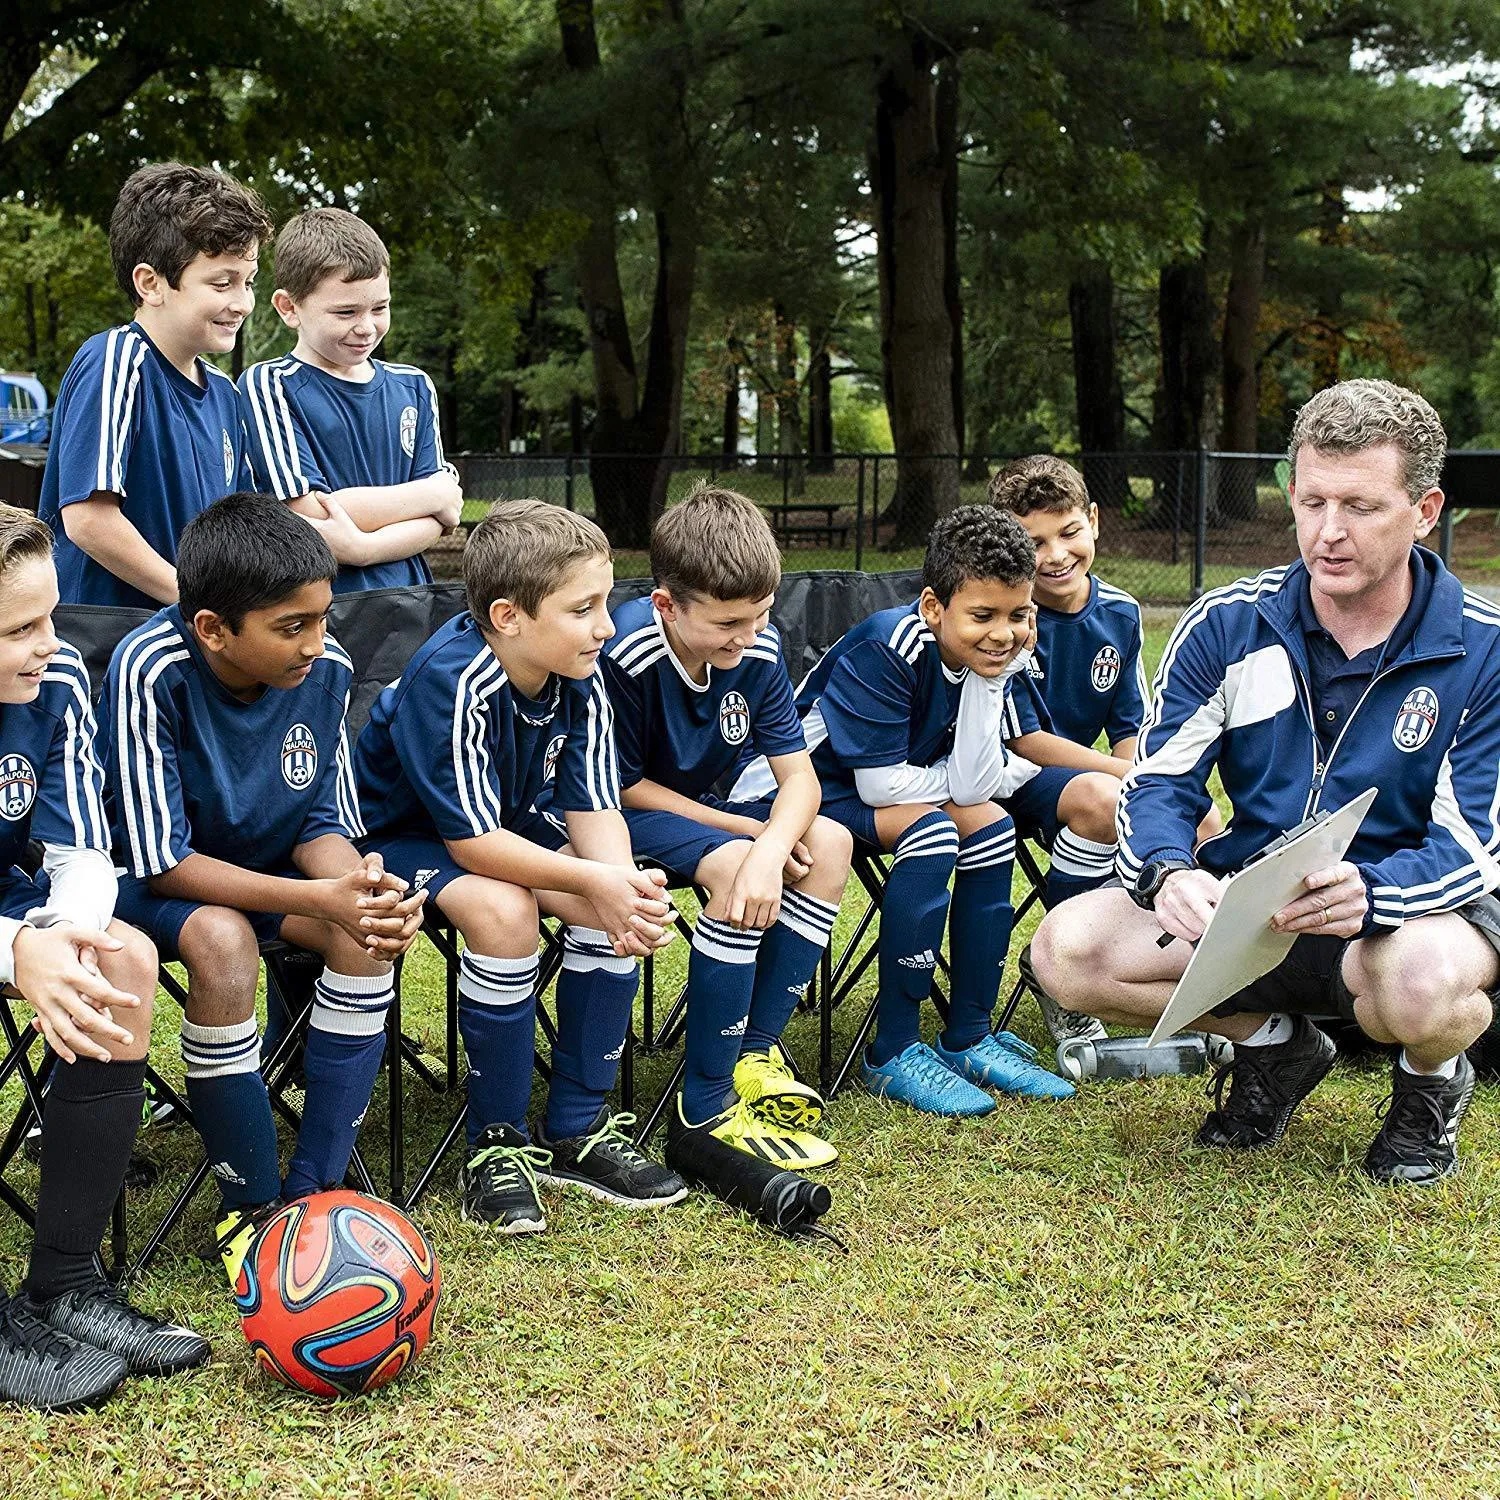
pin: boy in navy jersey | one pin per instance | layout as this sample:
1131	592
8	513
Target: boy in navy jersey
903	718
146	432
66	1337
350	441
487	776
698	684
1087	679
233	808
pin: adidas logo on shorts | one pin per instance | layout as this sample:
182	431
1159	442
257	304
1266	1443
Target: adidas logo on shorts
616	1055
738	1029
926	959
422	877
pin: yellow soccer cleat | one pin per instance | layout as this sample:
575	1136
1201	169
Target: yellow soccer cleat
739	1126
235	1233
765	1081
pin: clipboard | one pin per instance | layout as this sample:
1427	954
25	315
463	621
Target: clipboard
1238	945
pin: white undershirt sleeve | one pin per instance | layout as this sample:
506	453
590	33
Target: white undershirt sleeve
84	887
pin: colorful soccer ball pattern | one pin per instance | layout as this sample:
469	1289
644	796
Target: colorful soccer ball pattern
338	1293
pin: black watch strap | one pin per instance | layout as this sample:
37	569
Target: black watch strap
1151	879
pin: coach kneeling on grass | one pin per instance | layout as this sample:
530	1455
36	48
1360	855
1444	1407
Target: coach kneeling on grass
1364	664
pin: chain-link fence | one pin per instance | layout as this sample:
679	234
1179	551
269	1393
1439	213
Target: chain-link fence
1170	524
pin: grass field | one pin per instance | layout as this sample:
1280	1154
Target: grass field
1054	1301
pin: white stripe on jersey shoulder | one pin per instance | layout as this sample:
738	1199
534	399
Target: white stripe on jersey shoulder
67	665
1477	607
213	369
124	349
767	645
1107	591
910	637
336	652
636	651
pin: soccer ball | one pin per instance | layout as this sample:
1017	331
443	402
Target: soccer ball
337	1294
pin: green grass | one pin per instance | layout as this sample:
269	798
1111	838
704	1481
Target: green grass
1053	1301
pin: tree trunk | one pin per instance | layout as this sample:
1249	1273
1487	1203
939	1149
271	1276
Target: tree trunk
30	311
916	332
1098	396
1328	326
947	133
1241	370
1184	320
729	445
636	426
789	402
819	403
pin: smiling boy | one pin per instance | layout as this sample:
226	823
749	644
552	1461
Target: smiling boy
487	775
349	441
903	718
146	431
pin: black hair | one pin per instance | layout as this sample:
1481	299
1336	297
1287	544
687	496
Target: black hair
247	552
976	542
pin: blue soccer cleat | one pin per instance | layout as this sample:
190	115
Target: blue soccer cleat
919	1078
994	1065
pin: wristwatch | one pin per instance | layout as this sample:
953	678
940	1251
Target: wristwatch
1151	879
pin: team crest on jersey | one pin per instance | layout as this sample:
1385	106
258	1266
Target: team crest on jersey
299	757
734	718
549	760
408	430
17	788
1105	672
228	457
1416	719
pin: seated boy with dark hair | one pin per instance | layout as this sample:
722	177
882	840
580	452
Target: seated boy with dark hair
233	808
500	713
1086	679
698	684
350	441
903	717
67	1338
146	432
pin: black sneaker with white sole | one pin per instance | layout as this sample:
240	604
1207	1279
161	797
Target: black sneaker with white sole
98	1314
1418	1140
606	1162
1264	1086
498	1182
43	1368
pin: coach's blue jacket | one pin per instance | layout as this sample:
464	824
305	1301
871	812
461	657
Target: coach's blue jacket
1232	691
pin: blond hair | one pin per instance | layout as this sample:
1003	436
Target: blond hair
1039	482
325	242
1358	414
715	544
523	550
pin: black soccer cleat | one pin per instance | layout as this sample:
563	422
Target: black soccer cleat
1268	1085
606	1162
43	1368
99	1315
498	1182
1418	1140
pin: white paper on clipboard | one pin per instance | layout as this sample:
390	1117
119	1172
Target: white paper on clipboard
1238	945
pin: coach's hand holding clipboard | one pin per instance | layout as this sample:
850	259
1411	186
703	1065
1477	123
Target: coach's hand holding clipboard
1240	942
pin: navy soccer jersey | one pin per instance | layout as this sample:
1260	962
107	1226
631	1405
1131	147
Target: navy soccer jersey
310	431
127	422
880	696
51	782
686	735
1086	671
452	749
195	770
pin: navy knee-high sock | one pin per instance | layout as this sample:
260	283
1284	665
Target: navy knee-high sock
788	955
497	1020
595	996
1078	865
979	931
913	913
345	1042
721	976
232	1111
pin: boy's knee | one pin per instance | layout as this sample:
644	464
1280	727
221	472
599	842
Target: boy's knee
496	917
717	869
829	843
219	950
134	967
1092	799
